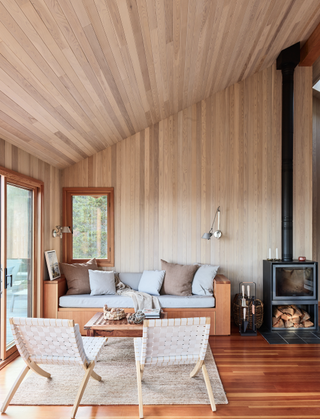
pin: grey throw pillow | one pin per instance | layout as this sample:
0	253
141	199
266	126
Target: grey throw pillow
102	282
151	282
77	276
178	278
203	280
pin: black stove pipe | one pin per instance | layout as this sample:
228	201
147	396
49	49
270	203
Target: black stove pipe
287	60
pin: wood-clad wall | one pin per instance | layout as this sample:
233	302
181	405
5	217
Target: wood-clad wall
302	164
225	150
20	161
77	76
316	176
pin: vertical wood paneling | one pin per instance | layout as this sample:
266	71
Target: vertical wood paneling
316	178
302	160
226	150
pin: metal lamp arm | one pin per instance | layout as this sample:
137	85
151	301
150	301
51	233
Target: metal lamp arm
214	219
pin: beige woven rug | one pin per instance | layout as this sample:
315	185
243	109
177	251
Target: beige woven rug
116	365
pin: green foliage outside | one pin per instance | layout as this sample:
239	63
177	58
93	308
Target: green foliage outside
19	222
90	236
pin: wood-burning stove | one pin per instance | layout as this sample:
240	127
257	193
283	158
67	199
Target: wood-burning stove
290	284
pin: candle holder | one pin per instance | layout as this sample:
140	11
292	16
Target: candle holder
247	309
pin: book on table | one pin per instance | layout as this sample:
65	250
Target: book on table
151	313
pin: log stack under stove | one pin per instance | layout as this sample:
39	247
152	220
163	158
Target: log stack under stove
289	316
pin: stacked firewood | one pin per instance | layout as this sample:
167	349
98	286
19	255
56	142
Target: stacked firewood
290	316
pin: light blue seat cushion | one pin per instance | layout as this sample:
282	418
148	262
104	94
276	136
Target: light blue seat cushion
95	301
190	301
166	301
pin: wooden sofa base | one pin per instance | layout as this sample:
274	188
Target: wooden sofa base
220	315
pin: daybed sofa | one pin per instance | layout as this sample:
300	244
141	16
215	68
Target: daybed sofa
81	307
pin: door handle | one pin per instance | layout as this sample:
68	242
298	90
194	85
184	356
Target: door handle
6	276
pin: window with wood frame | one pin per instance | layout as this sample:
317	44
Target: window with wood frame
21	252
90	214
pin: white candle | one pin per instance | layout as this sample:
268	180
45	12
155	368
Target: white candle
242	290
248	291
244	313
269	253
277	256
219	220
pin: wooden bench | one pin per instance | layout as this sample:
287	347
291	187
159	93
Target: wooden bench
220	315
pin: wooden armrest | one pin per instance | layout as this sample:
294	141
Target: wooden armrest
221	279
62	286
53	290
222	295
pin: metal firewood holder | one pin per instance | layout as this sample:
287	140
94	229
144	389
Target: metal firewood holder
247	308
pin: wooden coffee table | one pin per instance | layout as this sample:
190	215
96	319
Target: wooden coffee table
98	326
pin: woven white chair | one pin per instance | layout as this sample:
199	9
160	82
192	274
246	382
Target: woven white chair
53	341
173	341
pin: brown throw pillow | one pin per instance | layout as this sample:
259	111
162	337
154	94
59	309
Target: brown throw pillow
77	276
178	278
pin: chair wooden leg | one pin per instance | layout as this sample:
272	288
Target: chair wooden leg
35	368
82	388
14	388
141	370
196	369
95	376
209	389
138	367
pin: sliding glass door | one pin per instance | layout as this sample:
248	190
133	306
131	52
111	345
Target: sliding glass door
19	254
17	258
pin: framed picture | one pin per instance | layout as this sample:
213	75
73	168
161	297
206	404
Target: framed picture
52	264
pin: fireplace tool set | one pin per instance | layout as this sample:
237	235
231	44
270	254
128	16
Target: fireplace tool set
247	309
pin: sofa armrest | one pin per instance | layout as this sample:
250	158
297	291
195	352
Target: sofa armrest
53	290
222	295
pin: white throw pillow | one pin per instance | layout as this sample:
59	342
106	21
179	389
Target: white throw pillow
151	282
202	283
102	282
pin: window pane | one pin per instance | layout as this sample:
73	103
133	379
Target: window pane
90	226
19	254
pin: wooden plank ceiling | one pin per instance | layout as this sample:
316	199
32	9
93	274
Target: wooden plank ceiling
79	75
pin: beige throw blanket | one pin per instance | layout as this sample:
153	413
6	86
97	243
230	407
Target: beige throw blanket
140	299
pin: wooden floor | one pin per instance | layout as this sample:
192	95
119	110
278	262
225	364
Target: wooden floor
261	381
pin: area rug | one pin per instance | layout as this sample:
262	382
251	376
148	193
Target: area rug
116	365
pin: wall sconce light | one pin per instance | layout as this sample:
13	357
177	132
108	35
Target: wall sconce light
218	233
57	232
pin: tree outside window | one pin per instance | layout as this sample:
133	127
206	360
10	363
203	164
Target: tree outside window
89	211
